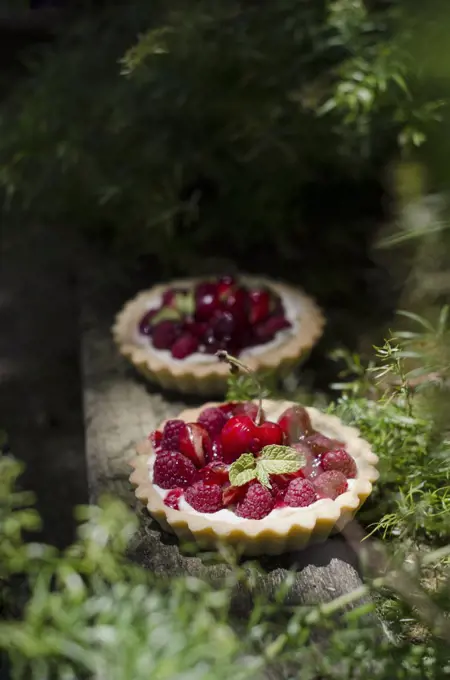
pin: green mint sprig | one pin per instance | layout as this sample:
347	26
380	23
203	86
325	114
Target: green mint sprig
273	460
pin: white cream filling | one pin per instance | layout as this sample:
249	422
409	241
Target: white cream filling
228	515
293	312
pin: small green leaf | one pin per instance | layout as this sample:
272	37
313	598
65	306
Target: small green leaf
243	470
279	467
185	303
263	476
286	453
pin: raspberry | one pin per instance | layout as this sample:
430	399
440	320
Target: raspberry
156	438
257	503
330	484
300	493
172	470
204	497
339	460
280	483
213	419
172	432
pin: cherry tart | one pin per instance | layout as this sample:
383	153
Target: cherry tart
266	481
171	333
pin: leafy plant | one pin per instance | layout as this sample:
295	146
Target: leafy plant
211	124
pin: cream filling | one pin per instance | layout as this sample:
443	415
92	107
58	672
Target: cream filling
228	515
293	311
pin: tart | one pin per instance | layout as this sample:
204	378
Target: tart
172	332
266	480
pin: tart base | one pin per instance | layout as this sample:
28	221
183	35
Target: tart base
210	378
272	535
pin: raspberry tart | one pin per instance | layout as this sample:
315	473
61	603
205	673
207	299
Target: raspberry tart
172	332
266	478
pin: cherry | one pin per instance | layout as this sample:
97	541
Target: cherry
164	334
247	408
295	423
239	435
236	302
225	284
216	453
319	443
145	324
312	467
197	328
195	444
270	433
185	345
259	305
206	301
214	473
223	325
266	331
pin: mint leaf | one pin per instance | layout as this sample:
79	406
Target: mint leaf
278	460
185	303
262	475
243	470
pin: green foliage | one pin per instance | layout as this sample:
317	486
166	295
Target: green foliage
210	124
91	613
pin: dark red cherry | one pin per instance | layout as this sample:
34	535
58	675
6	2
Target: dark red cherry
295	423
266	330
184	346
239	435
236	302
145	324
319	443
164	334
247	408
223	325
206	301
225	284
259	301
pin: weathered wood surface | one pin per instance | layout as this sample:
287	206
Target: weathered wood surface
119	411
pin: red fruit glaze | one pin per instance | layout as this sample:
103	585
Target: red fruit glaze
204	497
300	493
239	435
330	484
172	470
195	444
172	500
339	460
270	433
295	423
184	346
156	438
214	473
257	502
212	419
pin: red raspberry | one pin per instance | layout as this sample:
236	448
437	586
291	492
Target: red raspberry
155	438
204	497
172	432
300	493
213	419
184	346
164	334
257	503
280	483
339	460
330	484
172	470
